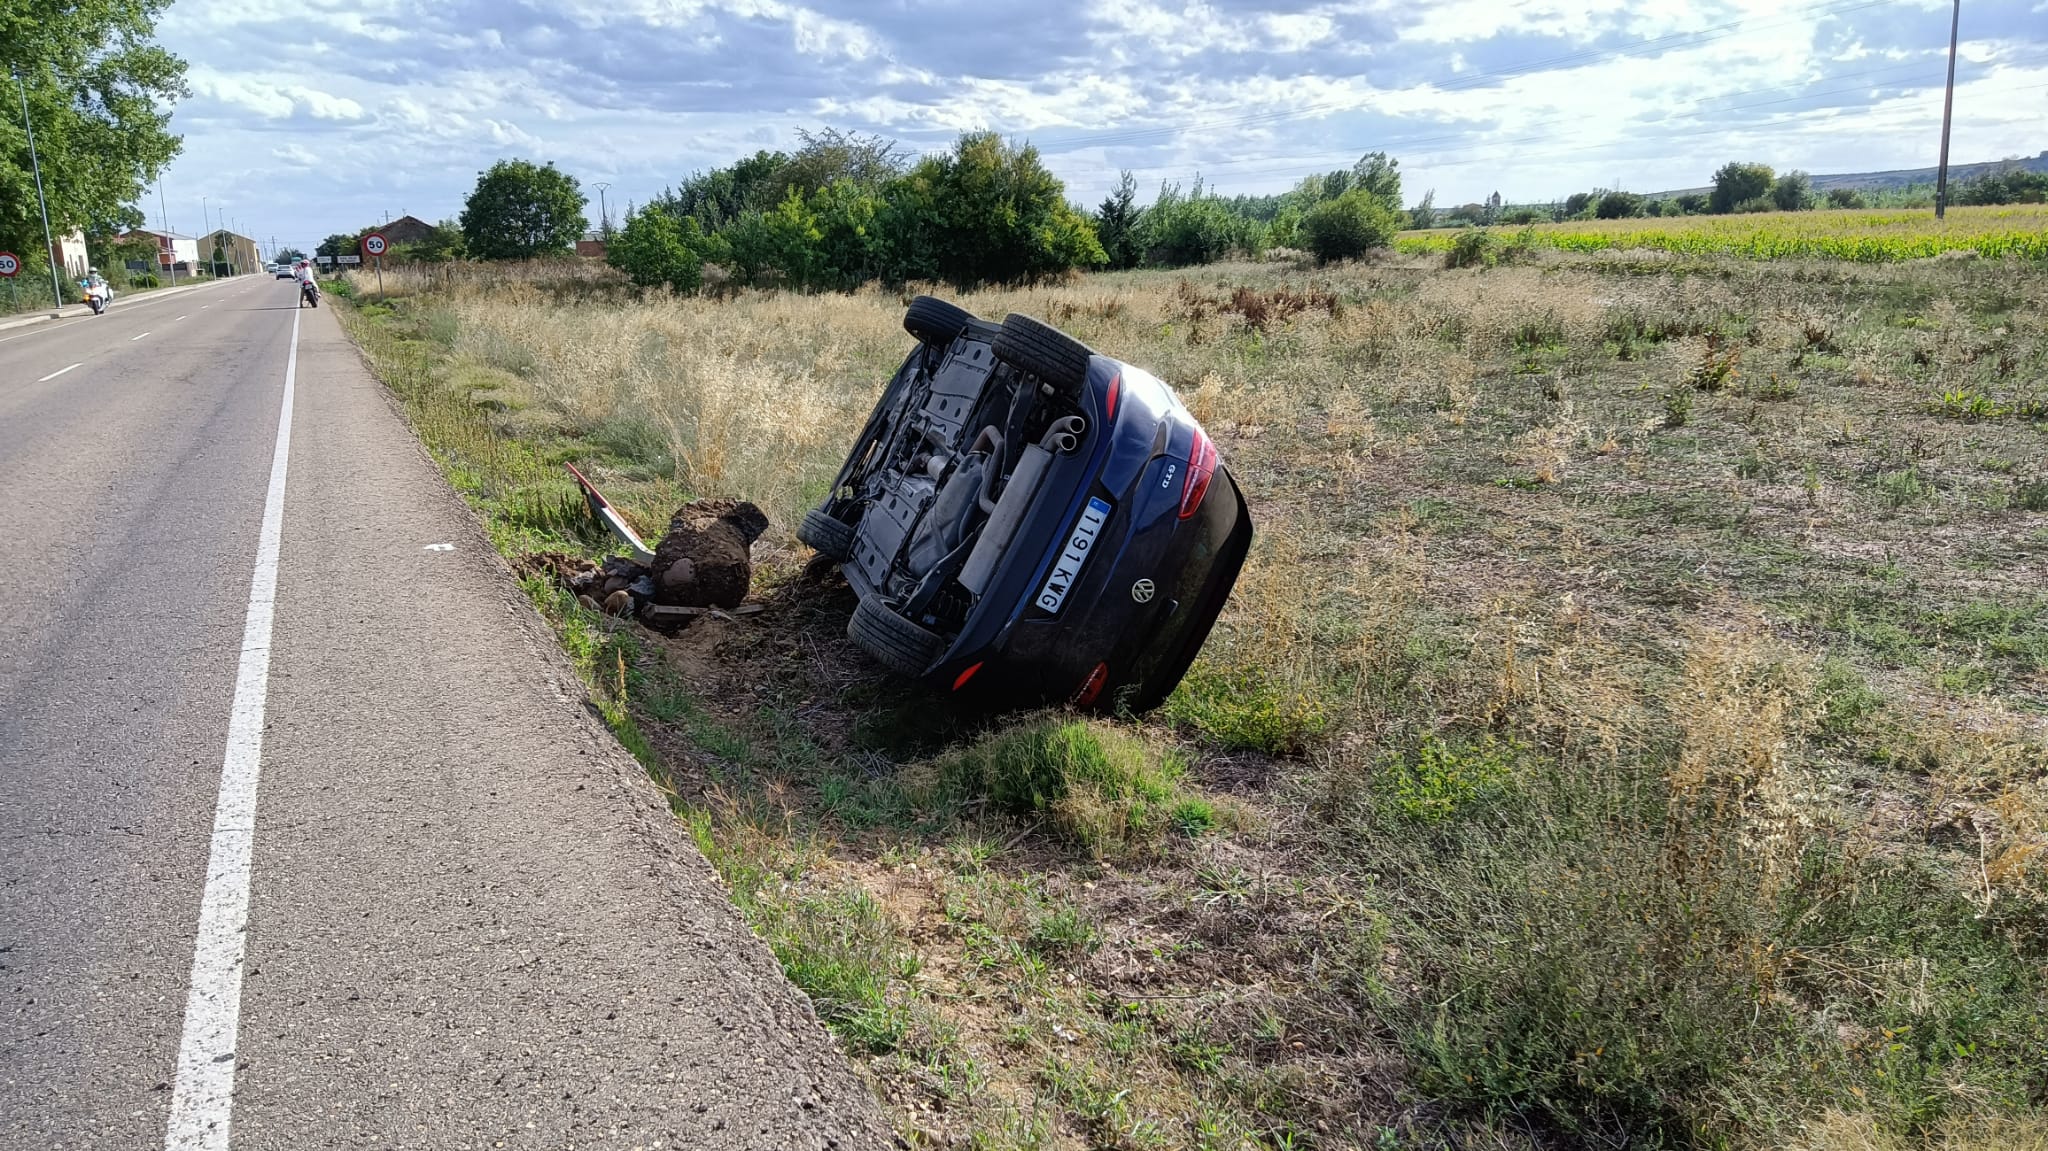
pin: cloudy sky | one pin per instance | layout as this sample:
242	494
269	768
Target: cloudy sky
314	116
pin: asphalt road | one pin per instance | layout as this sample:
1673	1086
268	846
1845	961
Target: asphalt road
348	864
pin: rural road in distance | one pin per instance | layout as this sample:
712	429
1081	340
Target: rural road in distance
308	839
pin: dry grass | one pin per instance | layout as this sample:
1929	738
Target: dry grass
1629	729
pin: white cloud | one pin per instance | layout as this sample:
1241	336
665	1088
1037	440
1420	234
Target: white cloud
405	100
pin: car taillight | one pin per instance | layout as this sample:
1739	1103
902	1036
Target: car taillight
1201	466
1091	688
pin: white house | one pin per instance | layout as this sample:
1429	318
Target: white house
173	248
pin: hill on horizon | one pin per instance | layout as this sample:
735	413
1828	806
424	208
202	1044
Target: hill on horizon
1900	177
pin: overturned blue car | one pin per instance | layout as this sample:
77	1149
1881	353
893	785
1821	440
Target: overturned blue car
1026	520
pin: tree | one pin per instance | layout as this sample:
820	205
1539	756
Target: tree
520	210
1575	205
1424	214
338	244
1379	176
1618	206
1117	224
1844	198
986	212
1736	183
1792	192
1691	203
1192	227
100	92
442	243
656	247
1349	226
287	256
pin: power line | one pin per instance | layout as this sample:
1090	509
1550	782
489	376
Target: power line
1299	168
1669	42
1698	110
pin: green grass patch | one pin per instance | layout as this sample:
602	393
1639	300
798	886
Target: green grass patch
1108	789
1247	708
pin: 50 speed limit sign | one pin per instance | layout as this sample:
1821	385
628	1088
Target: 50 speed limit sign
10	265
373	244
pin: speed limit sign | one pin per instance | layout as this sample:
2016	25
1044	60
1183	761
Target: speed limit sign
373	244
10	265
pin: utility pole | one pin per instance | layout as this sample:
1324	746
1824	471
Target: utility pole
49	241
1948	104
604	227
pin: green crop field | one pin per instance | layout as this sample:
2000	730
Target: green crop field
1867	236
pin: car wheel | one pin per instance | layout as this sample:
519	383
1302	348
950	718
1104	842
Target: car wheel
935	321
827	534
1046	352
892	641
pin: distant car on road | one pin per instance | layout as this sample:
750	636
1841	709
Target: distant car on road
282	271
1025	519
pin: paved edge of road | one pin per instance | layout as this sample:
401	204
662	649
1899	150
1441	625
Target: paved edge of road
684	875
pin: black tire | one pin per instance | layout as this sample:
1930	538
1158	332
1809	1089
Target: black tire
935	321
827	535
1046	352
892	641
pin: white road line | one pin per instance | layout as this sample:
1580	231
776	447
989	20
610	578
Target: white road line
203	1096
129	306
180	318
58	372
132	339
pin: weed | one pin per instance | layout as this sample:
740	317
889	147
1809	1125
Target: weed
1442	781
1248	709
1678	407
1107	789
1967	404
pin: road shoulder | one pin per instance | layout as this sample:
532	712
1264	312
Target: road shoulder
473	918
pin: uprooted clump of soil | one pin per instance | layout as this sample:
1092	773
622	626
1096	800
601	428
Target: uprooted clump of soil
704	562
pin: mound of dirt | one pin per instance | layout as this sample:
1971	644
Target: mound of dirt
706	559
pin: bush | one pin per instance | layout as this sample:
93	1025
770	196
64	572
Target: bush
1737	183
986	212
1792	192
656	248
1182	228
1474	248
1845	198
1618	206
1107	789
144	280
1348	227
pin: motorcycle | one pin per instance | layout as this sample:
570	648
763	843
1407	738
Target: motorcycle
98	296
309	293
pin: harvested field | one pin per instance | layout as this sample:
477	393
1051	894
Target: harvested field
1631	729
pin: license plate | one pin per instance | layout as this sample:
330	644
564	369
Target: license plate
1068	569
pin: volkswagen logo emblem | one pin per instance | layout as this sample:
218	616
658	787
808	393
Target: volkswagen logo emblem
1142	591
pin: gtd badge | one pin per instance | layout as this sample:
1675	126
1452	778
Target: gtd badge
1142	591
